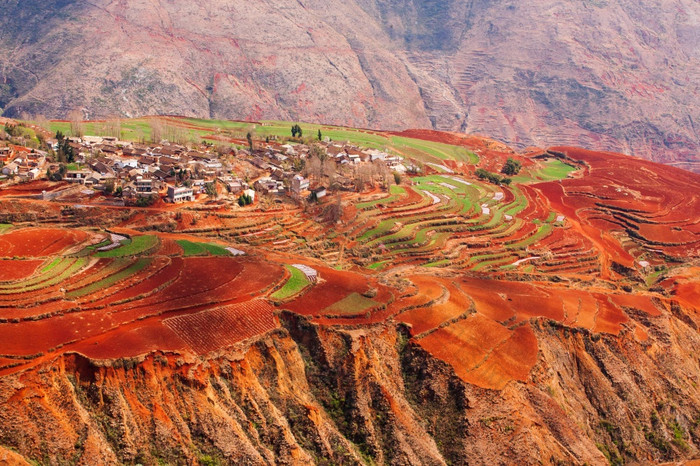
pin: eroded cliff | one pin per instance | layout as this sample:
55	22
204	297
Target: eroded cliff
311	394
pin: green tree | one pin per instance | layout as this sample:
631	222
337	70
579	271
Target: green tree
244	200
296	131
512	167
211	190
320	136
249	137
397	178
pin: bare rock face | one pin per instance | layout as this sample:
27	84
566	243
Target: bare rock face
608	75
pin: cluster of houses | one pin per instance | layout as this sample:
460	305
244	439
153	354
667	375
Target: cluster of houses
22	162
179	173
141	170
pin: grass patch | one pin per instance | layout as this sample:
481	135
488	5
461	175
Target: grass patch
4	227
297	282
377	265
53	264
352	304
191	248
440	263
216	250
551	170
135	246
99	245
110	280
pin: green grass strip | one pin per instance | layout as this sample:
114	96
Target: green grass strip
216	250
138	245
294	285
192	249
53	264
110	280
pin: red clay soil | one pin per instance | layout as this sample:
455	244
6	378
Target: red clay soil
209	330
32	189
333	286
423	319
509	361
609	318
39	242
11	270
130	341
635	301
631	196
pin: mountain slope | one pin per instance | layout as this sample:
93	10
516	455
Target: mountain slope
614	75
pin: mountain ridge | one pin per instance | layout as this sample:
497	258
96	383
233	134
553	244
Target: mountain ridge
612	76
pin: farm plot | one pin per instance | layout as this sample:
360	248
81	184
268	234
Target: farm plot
296	282
11	270
483	352
147	286
453	304
351	305
191	248
39	242
132	247
202	280
210	330
335	286
110	280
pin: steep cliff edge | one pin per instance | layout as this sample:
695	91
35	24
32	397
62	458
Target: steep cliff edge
308	393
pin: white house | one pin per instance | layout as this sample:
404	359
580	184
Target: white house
299	184
10	169
180	194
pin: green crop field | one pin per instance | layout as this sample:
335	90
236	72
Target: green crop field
4	227
297	282
201	249
109	280
552	170
352	304
50	266
133	247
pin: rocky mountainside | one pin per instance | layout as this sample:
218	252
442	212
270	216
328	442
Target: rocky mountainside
609	74
312	395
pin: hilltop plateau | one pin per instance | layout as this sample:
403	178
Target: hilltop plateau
606	75
352	297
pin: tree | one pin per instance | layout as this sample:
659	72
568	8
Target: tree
296	131
328	169
249	137
113	128
42	122
211	190
313	167
77	127
244	200
156	130
512	167
320	136
319	151
397	178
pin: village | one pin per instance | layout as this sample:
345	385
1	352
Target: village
131	173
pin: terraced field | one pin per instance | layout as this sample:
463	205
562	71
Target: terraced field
103	304
576	239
